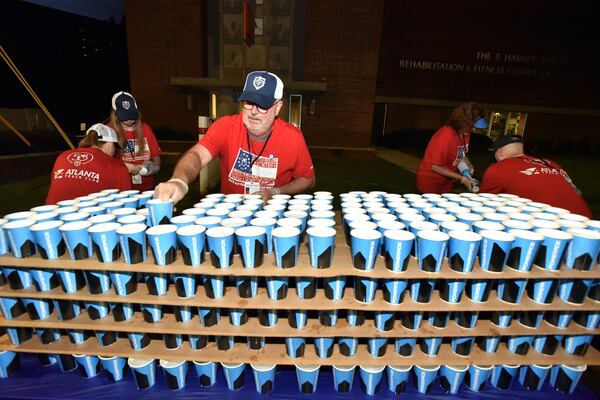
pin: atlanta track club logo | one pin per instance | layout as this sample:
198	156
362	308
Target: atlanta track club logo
58	173
78	159
258	82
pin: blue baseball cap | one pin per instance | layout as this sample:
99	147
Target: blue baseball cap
262	88
125	106
481	123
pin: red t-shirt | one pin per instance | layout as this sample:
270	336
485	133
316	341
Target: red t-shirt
151	149
82	171
538	180
285	155
446	149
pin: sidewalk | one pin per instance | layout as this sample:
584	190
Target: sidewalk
401	159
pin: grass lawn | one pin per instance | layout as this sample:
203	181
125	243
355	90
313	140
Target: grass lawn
334	175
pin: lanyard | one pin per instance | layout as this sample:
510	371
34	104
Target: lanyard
261	150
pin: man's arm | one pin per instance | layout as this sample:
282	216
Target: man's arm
186	170
466	182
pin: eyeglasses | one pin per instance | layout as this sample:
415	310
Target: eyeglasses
248	106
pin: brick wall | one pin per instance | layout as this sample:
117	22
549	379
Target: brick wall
166	38
342	48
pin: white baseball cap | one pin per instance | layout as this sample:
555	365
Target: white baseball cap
105	133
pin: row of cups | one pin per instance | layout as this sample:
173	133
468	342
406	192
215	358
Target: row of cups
451	379
400	229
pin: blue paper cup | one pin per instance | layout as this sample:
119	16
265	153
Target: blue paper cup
551	252
411	320
160	211
384	320
308	376
185	285
519	344
175	373
350	217
397	378
394	290
277	287
114	367
121	311
355	317
328	317
501	318
466	319
105	241
11	307
20	215
511	290
214	286
480	226
478	290
209	316
425	376
542	291
587	319
220	245
97	309
132	238
320	246
432	249
365	289
66	362
19	335
348	346
252	244
547	344
49	241
577	344
488	344
334	287
560	319
463	247
297	318
462	345
524	249
306	287
564	378
183	220
365	245
146	214
20	237
9	363
397	247
44	279
264	377
119	212
191	241
67	309
234	375
269	224
451	377
48	336
163	241
157	284
237	316
574	290
502	376
477	376
98	219
405	346
77	239
206	372
494	250
343	376
4	246
172	341
531	319
38	309
138	340
532	377
286	245
324	347
370	379
247	286
17	278
295	346
451	290
421	290
430	346
377	346
79	336
89	366
583	250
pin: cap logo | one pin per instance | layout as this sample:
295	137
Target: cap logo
258	82
125	104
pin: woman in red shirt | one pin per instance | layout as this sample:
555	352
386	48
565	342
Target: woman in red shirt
90	168
140	150
447	148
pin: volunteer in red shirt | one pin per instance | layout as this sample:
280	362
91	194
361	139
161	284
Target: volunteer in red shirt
534	178
89	168
259	152
447	148
140	150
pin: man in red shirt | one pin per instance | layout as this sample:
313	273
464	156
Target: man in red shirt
531	177
259	152
89	168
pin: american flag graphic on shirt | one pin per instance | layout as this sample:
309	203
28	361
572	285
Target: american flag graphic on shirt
263	171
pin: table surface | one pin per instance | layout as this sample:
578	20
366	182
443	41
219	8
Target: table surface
39	382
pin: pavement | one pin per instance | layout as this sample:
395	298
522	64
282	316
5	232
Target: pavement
403	160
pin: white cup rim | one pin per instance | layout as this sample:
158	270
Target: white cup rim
102	218
391	225
285	231
501	236
528	235
105	227
161	229
207	220
231	365
365	234
191	230
435	236
45	225
468	236
75	226
159	201
233	222
250	231
344	368
321	231
134	217
263	221
554	234
262	367
220	231
373	369
129	229
399	234
308	367
171	363
584	233
458	368
18	223
139	362
295	222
